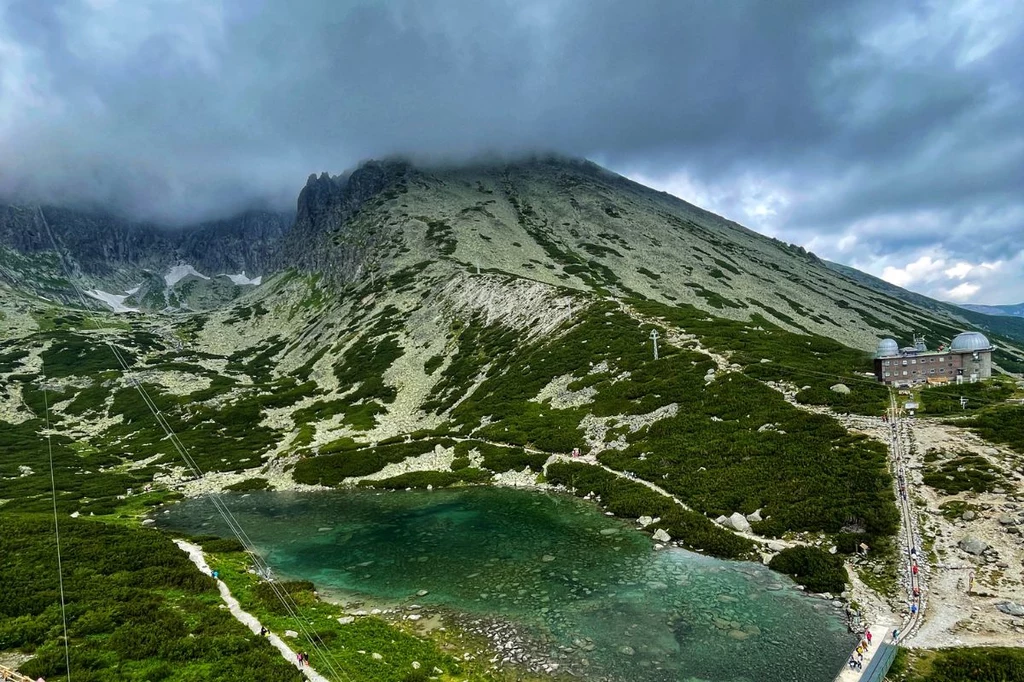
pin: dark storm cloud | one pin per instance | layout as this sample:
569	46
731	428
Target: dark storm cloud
852	117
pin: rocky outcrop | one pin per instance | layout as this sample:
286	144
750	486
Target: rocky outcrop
328	236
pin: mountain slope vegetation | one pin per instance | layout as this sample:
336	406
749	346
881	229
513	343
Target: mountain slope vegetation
456	326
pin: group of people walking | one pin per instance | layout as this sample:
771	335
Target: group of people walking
856	661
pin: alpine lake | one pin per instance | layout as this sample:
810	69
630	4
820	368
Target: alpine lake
587	590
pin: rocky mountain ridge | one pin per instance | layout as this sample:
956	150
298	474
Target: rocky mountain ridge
1014	310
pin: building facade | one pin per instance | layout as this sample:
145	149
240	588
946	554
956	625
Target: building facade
967	359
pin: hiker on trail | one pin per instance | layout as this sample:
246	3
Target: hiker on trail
867	635
298	657
216	575
913	609
305	658
913	569
263	631
895	635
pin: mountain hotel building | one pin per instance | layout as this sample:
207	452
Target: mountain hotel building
967	359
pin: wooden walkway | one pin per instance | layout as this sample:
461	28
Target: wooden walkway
9	675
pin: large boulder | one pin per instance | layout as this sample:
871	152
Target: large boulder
755	517
1011	609
973	545
840	388
738	522
661	536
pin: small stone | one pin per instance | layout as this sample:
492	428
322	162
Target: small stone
627	651
1007	520
415	665
840	388
377	657
422	593
968	515
345	620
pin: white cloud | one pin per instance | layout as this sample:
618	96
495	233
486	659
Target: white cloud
963	293
923	269
960	270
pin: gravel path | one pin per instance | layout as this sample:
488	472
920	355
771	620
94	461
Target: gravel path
195	553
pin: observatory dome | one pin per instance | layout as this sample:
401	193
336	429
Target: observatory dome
887	348
968	342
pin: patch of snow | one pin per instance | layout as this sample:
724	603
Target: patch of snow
242	280
115	301
180	272
134	290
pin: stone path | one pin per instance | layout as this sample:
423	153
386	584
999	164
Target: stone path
195	553
592	461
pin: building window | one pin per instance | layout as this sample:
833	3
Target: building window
942	370
904	372
886	374
904	364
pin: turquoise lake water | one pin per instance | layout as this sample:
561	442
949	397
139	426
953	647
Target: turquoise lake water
553	565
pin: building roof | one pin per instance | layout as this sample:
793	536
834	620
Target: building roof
967	342
887	348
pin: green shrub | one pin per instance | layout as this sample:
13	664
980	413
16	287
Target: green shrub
812	567
250	485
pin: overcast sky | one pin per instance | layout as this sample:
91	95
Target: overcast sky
885	135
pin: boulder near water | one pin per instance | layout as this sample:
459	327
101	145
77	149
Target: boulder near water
738	522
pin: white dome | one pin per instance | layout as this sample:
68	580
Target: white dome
887	348
968	342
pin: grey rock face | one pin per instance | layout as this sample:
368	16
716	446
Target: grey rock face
100	243
327	237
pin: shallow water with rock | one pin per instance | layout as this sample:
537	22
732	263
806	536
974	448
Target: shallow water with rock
588	591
